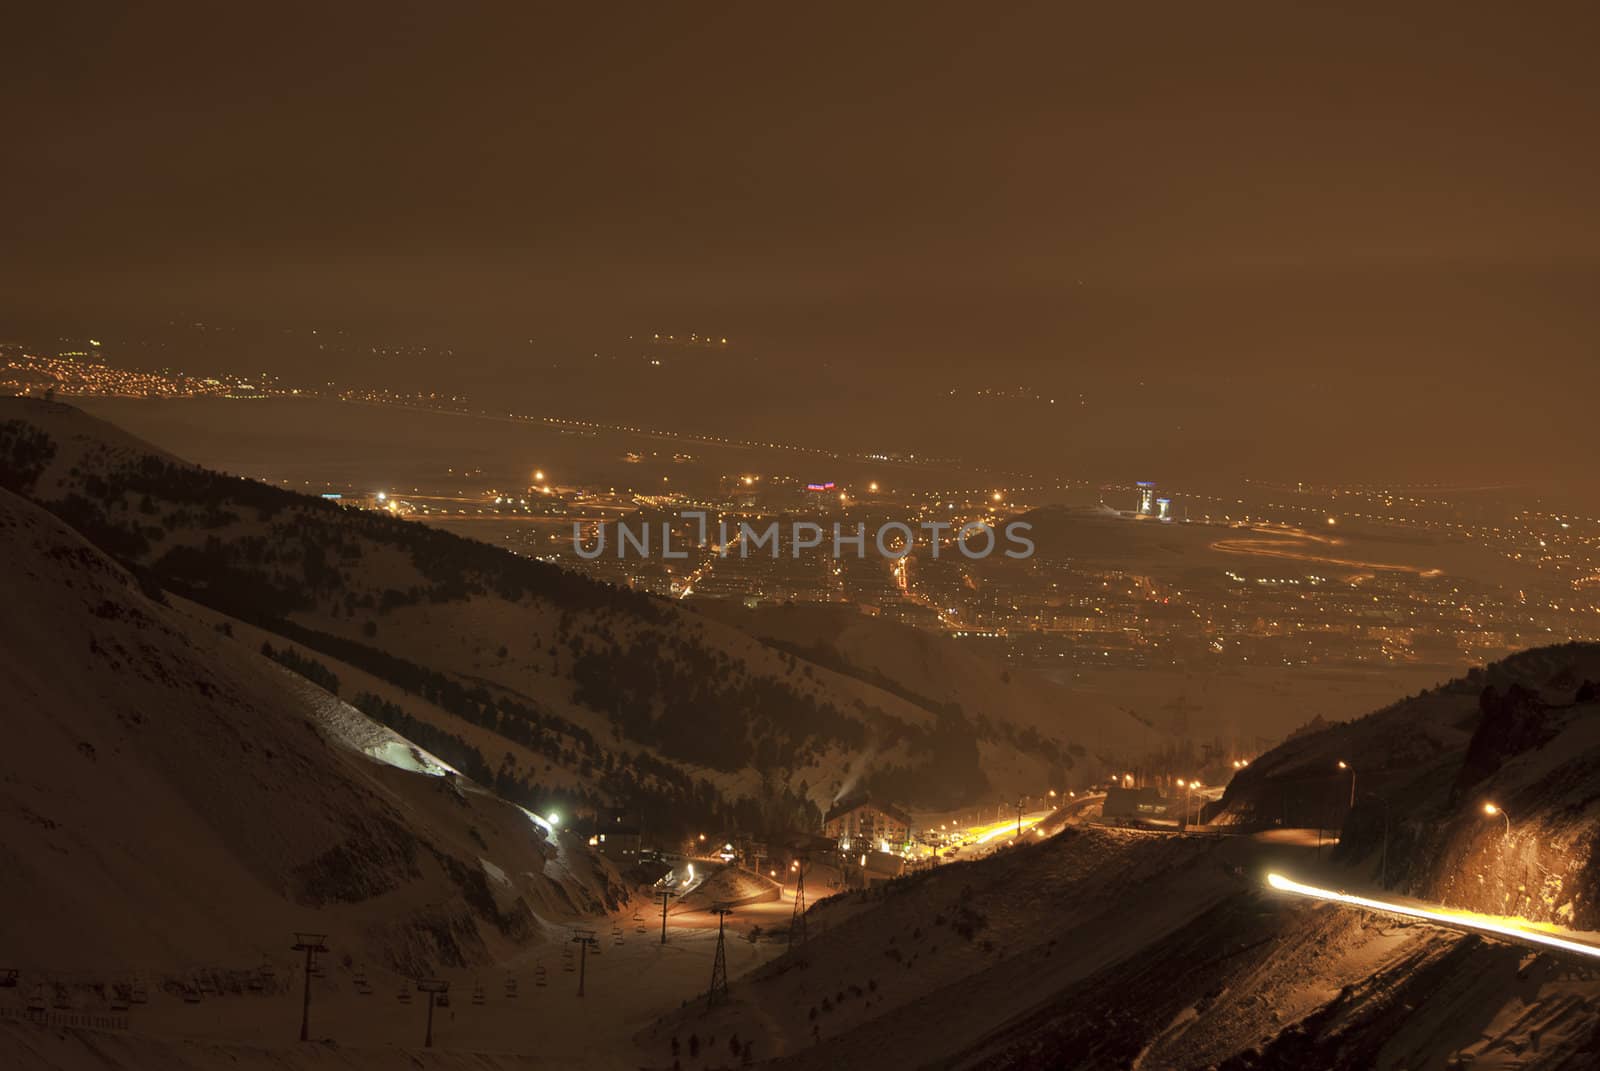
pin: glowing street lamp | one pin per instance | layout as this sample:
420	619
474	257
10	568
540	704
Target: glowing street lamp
1346	766
1188	791
1491	810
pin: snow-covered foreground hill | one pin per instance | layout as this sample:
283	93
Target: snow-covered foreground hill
174	805
1104	948
1405	789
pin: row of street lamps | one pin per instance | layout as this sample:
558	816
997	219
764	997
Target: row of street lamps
1489	808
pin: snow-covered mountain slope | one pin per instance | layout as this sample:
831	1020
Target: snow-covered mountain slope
1100	948
608	696
39	1049
924	967
1522	734
170	800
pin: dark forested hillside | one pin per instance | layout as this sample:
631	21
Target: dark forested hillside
608	697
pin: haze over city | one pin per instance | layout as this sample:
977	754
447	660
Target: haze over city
1334	232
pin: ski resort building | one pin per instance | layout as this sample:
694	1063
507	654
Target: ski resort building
863	822
1136	803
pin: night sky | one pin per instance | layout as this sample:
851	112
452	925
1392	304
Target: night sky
1270	205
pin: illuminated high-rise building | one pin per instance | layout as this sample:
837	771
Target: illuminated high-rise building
1147	498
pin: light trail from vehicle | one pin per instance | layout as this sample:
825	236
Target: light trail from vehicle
1291	543
1466	920
984	834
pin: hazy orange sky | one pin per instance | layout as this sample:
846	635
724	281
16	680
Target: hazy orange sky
1266	201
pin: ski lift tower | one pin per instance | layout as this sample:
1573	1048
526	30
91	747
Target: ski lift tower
797	921
438	992
585	940
718	993
310	944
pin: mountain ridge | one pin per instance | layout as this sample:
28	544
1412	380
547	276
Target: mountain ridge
754	733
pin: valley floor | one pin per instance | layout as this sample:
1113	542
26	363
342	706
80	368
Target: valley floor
1095	948
627	986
